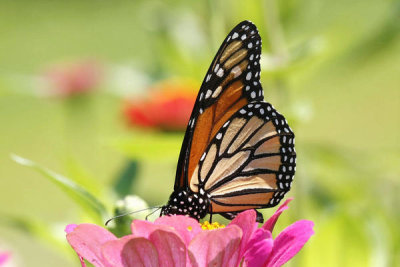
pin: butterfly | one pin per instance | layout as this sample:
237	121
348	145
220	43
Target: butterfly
238	151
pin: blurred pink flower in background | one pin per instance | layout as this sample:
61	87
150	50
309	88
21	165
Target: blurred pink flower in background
69	79
182	241
167	107
4	257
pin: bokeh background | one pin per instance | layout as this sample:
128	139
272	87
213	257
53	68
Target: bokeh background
83	84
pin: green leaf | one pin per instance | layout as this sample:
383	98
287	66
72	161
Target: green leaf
85	199
126	178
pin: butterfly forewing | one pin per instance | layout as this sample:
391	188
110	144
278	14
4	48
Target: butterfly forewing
231	82
250	162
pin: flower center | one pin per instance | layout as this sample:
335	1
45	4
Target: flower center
211	226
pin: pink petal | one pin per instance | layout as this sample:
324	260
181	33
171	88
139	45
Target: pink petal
289	242
111	250
181	224
170	247
70	227
86	240
269	225
216	247
246	220
139	252
142	228
259	248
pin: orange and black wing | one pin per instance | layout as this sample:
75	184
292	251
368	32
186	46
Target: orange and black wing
250	163
232	82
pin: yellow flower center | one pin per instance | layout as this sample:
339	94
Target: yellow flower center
211	226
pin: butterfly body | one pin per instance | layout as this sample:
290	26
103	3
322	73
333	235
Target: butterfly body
186	202
238	151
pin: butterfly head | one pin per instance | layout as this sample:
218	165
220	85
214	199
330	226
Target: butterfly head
183	202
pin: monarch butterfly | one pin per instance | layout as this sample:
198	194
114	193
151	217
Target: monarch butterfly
238	151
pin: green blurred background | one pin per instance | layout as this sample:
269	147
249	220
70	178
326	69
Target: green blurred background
331	67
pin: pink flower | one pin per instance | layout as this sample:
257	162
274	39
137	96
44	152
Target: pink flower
74	78
181	241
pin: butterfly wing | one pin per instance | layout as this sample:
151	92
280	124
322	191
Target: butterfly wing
250	163
231	82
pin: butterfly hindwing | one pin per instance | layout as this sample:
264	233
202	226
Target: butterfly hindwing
231	82
250	162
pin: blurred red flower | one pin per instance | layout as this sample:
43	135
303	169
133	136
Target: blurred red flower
167	107
76	78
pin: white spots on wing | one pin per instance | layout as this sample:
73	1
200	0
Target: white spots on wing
216	68
243	37
220	72
250	105
255	83
250	45
236	71
269	108
250	114
247	87
247	27
201	96
201	111
248	76
219	135
208	77
225	124
217	92
253	94
203	156
262	111
252	32
257	42
251	57
257	106
228	39
235	35
242	111
208	94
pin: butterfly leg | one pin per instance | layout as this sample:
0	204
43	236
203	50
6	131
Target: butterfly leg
232	215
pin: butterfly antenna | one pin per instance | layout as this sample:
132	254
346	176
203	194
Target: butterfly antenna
132	212
152	212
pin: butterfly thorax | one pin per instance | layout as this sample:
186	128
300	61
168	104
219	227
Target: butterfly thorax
186	202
